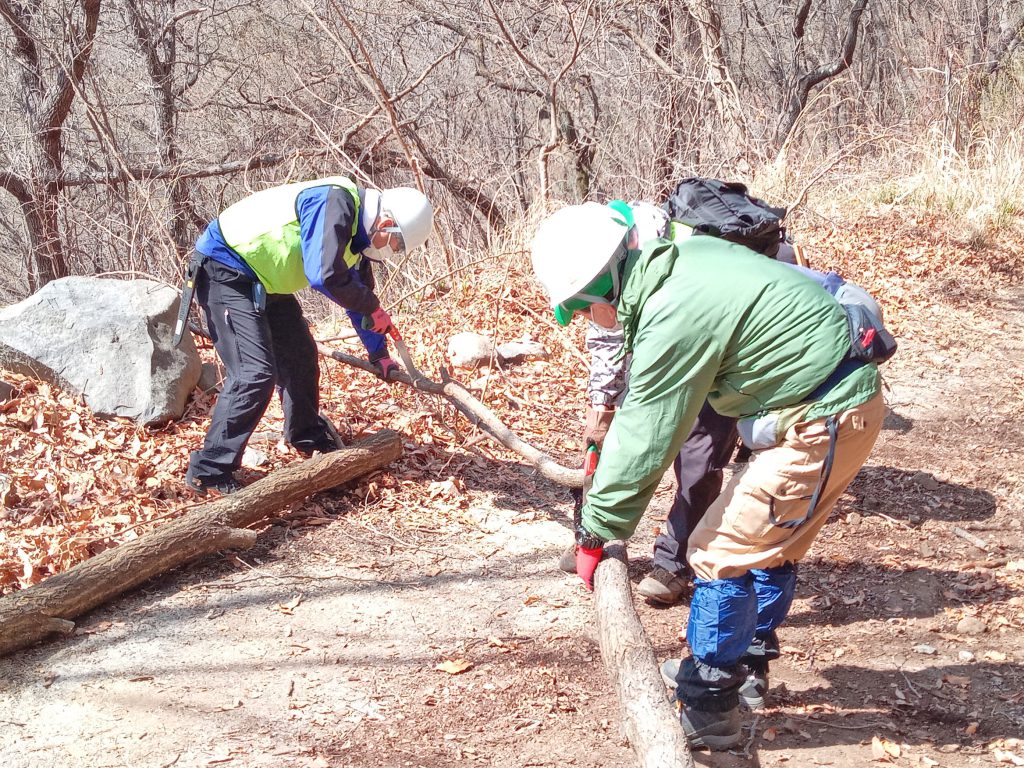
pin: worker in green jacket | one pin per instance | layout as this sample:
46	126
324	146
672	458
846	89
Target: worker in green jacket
708	319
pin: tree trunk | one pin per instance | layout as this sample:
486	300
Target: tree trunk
50	606
724	92
649	720
804	83
46	261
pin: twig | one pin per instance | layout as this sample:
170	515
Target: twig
753	735
985	563
280	581
836	725
478	414
893	520
406	544
910	685
970	537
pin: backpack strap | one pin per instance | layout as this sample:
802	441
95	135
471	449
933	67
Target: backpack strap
832	424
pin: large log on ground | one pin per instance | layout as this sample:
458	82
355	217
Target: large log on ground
31	614
649	720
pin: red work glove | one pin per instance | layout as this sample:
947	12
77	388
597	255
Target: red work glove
586	564
379	321
599	419
386	366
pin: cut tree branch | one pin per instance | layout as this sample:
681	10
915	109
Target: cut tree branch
649	722
478	413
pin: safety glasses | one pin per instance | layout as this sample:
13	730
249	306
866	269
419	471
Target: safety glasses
605	289
392	232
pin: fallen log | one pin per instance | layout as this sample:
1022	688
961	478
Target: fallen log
50	606
478	413
649	720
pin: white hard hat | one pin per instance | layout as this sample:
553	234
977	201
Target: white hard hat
573	246
412	213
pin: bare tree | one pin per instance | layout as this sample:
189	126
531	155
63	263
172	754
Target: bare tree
49	81
802	81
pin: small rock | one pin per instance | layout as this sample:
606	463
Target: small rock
517	351
469	350
927	650
970	625
253	457
965	656
853	518
926	481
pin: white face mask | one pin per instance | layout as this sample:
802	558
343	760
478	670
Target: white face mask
373	253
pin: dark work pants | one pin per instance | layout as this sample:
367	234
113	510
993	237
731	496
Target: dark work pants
698	470
259	349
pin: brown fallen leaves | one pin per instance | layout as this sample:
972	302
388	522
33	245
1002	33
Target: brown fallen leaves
454	666
72	485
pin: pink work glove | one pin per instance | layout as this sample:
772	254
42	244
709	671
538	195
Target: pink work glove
380	321
586	564
386	367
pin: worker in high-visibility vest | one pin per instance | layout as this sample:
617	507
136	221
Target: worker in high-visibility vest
250	261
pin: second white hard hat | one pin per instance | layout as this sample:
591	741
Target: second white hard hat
573	246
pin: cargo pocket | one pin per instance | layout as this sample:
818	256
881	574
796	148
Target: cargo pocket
759	515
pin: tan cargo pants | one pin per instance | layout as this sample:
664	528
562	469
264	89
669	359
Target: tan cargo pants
742	528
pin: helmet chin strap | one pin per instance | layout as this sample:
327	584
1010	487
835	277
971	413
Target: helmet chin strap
613	266
371	205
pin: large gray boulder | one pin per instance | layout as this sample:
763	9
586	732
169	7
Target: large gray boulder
107	340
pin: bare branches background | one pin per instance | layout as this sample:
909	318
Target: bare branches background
133	122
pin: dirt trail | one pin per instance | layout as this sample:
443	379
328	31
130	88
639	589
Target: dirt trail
322	647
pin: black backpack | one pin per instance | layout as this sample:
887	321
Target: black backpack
725	210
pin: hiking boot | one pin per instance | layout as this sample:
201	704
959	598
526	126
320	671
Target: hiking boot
320	446
717	731
222	484
752	692
664	587
567	562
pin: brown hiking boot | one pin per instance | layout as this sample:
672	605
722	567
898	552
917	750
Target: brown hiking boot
567	562
664	587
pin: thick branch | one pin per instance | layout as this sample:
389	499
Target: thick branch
14	184
478	413
841	62
62	93
156	171
649	721
801	18
802	88
1006	43
33	613
25	49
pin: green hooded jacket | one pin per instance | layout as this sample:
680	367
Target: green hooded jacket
709	319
